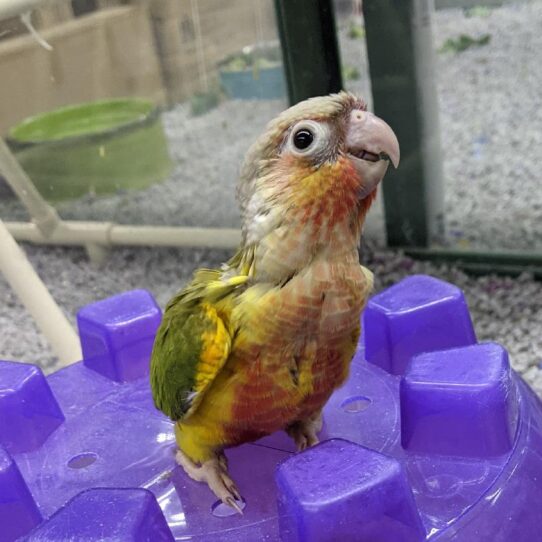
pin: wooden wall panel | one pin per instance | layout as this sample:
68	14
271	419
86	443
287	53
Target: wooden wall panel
108	54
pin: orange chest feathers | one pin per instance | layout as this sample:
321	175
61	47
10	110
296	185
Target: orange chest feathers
295	347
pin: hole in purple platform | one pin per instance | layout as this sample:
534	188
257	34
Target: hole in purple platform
358	403
221	510
82	461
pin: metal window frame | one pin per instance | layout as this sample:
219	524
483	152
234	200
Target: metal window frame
310	49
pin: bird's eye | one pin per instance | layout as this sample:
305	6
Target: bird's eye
303	139
308	139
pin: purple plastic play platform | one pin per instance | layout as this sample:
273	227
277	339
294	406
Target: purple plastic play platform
433	437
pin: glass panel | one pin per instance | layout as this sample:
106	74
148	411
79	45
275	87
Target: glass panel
489	90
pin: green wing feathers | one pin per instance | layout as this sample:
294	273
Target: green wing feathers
193	342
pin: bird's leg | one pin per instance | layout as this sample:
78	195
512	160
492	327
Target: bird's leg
214	472
304	432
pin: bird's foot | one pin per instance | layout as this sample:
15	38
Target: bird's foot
214	472
304	432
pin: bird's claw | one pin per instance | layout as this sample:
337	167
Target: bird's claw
305	432
214	473
232	488
230	501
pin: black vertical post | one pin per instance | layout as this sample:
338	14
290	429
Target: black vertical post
401	58
309	46
82	7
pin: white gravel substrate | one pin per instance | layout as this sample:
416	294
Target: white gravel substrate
504	310
491	125
491	128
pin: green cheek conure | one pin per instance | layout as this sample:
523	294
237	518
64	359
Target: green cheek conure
261	343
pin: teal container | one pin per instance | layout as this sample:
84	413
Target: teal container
262	84
99	148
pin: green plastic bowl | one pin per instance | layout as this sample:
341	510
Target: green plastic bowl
99	148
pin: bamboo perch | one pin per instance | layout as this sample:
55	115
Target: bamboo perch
20	274
108	234
38	301
43	215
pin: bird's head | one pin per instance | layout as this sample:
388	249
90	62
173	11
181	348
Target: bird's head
315	168
322	157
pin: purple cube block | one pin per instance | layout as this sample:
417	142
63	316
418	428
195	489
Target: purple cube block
117	334
115	515
18	511
29	412
419	314
459	402
339	490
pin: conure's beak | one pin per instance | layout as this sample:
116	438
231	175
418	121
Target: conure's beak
371	145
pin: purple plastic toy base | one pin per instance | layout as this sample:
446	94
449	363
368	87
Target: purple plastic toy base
433	437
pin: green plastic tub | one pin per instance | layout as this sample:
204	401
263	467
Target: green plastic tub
99	148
